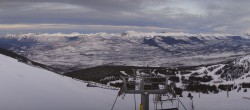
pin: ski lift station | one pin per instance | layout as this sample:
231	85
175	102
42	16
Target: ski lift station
147	84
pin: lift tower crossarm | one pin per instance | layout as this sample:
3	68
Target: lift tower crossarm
145	86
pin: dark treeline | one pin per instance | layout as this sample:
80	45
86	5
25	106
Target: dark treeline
245	85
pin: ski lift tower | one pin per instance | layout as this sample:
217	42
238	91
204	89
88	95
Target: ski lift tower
145	84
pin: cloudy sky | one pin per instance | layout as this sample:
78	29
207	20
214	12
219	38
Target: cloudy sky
87	16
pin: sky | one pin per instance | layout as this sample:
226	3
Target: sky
116	16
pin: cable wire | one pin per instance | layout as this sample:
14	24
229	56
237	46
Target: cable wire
179	99
181	103
135	101
114	102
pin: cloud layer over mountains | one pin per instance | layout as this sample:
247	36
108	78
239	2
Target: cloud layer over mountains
193	16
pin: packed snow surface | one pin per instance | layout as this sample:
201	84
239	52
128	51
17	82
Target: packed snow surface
23	87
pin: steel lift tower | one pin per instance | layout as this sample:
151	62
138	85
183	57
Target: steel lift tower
146	84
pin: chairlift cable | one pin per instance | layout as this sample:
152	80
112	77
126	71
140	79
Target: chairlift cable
179	100
161	106
181	103
114	102
155	103
135	101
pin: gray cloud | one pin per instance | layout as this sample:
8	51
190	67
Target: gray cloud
194	16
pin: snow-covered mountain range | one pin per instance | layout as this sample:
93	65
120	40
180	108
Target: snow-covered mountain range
68	52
